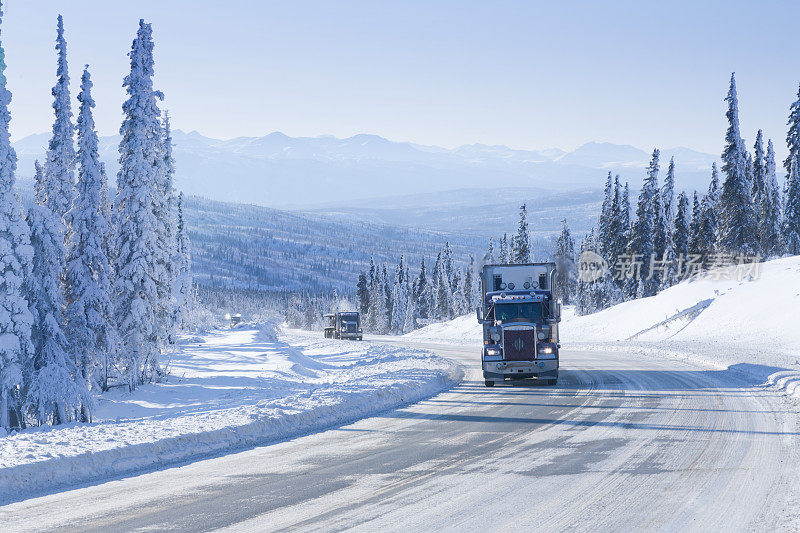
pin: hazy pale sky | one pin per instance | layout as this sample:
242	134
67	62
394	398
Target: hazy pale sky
525	74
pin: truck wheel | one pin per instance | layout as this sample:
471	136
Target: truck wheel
489	383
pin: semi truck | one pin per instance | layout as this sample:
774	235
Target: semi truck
343	325
520	319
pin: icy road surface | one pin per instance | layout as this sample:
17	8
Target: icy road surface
623	442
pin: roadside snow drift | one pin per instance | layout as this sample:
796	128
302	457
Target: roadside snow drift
237	388
750	320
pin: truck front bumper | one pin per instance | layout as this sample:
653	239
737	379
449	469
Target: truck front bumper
518	369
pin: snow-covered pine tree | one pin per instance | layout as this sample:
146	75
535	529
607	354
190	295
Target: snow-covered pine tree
184	285
469	285
399	299
459	303
709	221
444	294
668	194
410	323
793	134
522	247
694	226
681	229
624	220
564	256
387	295
660	242
737	232
379	323
168	256
91	332
667	222
489	257
16	255
604	224
59	166
759	169
791	216
423	296
137	248
769	208
505	257
362	294
641	243
55	390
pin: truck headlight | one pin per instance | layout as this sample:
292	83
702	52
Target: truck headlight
493	351
546	349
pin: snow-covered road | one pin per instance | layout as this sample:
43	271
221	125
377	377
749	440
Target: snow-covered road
623	442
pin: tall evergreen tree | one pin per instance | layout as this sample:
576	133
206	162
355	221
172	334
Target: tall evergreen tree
522	247
681	228
793	134
564	256
791	217
59	166
184	285
709	221
489	257
55	391
167	257
137	247
606	220
695	244
642	245
92	335
769	208
759	169
423	292
505	257
362	294
16	255
737	232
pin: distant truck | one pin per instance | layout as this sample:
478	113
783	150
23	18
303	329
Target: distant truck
520	323
345	325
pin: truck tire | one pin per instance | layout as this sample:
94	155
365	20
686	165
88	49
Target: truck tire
489	383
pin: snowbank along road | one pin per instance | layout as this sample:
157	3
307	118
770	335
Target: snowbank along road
623	442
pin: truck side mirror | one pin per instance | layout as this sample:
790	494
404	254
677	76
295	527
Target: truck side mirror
479	313
558	310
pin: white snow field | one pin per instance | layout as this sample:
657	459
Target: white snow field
236	388
745	319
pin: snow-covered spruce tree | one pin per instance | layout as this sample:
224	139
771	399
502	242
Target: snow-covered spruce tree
641	243
16	255
791	217
522	247
793	134
137	261
378	317
410	323
708	222
91	331
59	166
694	226
168	257
362	294
488	259
605	222
769	208
595	295
624	216
564	256
422	292
737	232
55	391
182	265
504	255
468	289
666	222
681	230
399	298
759	169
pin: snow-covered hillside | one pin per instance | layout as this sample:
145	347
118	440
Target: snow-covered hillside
723	321
227	389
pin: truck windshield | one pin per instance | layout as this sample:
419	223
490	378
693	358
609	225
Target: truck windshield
527	311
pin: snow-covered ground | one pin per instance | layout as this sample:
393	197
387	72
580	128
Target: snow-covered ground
234	388
752	322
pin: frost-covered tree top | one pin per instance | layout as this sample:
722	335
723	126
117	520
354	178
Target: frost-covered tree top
59	167
88	265
15	261
793	134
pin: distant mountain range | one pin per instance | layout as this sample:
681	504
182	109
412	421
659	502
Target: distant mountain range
302	172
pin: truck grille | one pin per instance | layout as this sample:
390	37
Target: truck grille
519	344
